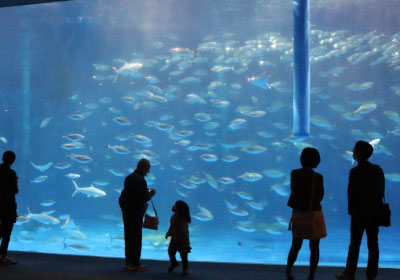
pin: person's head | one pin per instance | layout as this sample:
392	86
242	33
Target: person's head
362	151
8	158
310	158
143	166
182	210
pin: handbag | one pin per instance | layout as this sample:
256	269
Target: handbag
384	214
151	222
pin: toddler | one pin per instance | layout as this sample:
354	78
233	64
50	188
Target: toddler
179	232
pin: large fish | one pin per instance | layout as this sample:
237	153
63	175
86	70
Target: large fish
89	191
42	218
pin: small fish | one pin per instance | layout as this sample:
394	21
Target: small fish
226	180
209	157
260	81
62	165
119	149
273	173
80	158
73	175
42	168
244	195
128	69
45	122
39	179
256	205
73	146
74	137
365	109
204	215
393	177
251	176
48	203
239	212
122	121
280	189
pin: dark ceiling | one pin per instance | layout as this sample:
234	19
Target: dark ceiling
10	3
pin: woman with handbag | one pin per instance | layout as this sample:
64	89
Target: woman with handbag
307	222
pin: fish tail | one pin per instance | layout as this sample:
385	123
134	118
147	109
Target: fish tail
76	188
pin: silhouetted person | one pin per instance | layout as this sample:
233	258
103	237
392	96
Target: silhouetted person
133	203
8	205
307	192
179	232
365	193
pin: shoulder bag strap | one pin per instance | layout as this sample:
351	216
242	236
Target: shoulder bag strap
312	191
155	211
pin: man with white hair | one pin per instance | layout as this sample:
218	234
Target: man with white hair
133	203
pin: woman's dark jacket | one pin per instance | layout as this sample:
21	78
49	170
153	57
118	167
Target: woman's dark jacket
301	182
8	190
135	194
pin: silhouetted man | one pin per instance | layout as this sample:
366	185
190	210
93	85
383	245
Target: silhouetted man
133	202
8	205
365	193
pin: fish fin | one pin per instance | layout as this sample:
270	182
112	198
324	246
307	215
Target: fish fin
29	210
76	188
116	74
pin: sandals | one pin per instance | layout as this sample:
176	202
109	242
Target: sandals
7	261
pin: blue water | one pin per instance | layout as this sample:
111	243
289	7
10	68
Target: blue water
184	98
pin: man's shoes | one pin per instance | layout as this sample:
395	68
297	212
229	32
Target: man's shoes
344	276
7	261
185	272
289	275
137	267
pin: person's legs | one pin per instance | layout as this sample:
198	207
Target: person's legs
137	224
185	262
373	250
128	237
314	257
356	232
5	234
172	258
133	237
294	251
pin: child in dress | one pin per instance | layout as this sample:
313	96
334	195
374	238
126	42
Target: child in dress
179	232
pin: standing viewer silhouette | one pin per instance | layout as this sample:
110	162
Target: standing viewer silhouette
133	203
8	205
307	192
365	193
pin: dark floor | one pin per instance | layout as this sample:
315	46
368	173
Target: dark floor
33	266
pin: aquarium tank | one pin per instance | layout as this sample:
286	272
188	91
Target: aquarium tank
204	90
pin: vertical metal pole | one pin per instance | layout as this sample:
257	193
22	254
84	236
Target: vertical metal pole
301	70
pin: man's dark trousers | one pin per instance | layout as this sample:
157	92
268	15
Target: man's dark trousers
359	224
6	226
133	223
